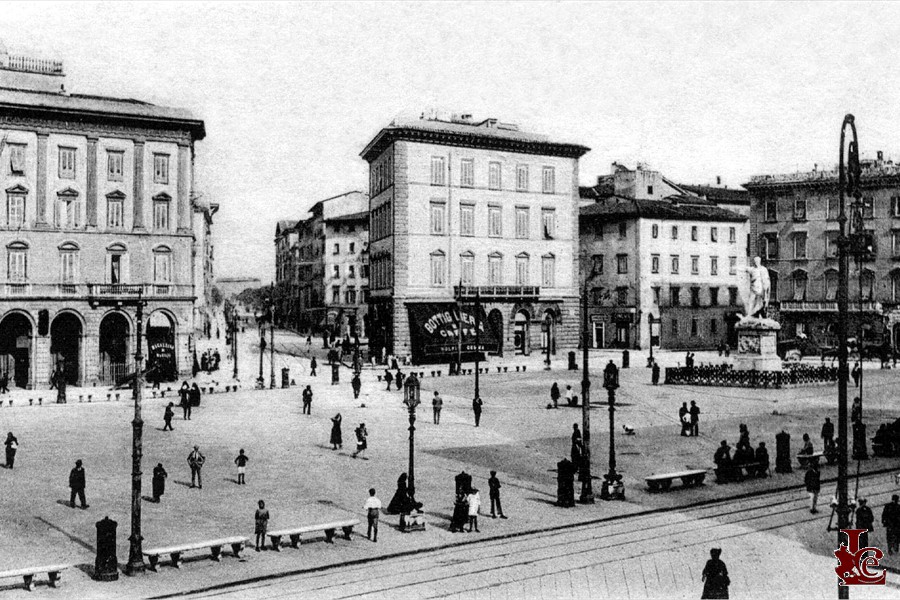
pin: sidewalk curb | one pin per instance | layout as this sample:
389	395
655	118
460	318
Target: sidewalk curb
494	538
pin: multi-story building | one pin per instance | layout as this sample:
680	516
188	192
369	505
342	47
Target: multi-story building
204	266
460	207
97	212
661	265
322	263
794	231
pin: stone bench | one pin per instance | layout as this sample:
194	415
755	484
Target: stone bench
327	528
804	459
27	574
237	544
663	482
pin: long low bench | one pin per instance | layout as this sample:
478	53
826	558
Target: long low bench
804	459
27	575
237	544
664	481
328	528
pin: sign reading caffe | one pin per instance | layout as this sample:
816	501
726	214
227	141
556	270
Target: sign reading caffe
440	330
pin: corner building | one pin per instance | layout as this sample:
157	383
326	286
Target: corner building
459	208
97	207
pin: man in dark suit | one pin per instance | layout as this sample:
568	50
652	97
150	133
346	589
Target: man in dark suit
77	485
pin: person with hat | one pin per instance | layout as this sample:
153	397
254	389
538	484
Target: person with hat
813	482
77	485
715	576
722	458
159	481
865	519
890	518
195	460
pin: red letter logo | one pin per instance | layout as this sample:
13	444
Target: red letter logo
853	564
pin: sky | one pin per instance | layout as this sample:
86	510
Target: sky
292	92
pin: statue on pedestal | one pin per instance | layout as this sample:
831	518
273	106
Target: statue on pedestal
757	299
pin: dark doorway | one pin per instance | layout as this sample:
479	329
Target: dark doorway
495	323
15	349
65	346
114	332
161	347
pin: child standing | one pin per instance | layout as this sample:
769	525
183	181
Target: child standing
372	508
474	505
262	524
241	462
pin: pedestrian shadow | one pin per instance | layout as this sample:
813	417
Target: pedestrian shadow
88	569
179	482
84	544
64	503
542	501
231	480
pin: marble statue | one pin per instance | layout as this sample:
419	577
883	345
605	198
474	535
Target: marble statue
757	299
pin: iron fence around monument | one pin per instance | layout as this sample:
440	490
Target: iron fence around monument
728	376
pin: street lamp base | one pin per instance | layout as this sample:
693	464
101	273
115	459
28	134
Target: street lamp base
134	567
612	491
586	498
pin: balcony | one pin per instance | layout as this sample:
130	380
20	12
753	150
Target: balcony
827	306
493	292
88	291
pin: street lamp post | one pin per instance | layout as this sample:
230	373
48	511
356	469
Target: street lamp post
587	488
272	339
260	382
135	551
612	487
477	343
848	180
650	323
411	399
234	338
546	328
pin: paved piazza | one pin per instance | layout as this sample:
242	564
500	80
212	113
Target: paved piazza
576	552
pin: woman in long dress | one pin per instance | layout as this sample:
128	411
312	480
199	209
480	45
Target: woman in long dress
715	576
336	437
400	502
159	481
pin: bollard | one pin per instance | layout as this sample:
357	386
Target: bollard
285	377
81	397
117	396
40	401
524	368
106	566
31	402
154	393
90	397
162	394
108	397
439	373
432	373
505	369
565	483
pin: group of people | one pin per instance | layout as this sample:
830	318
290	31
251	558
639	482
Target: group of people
209	361
689	419
467	504
732	468
571	398
336	439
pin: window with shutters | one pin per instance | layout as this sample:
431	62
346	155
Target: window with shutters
831	285
438	268
467	173
654	263
695	265
654	231
438	218
622	264
522	222
467	268
17	262
16	159
162	265
597	264
495	269
115	161
674	260
495	221
548	180
674	232
799	209
336	294
799	284
68	263
732	235
622	296
548	223
115	212
522	269
548	271
521	178
800	245
161	215
160	168
67	163
732	265
68	212
15	210
467	220
438	170
495	176
713	265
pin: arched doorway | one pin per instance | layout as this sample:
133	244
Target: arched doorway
522	333
161	347
65	346
15	349
114	332
495	324
548	332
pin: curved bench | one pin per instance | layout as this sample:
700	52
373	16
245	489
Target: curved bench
663	482
237	544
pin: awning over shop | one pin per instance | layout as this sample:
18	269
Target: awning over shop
434	332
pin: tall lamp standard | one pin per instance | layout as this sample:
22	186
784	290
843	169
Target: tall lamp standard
135	551
861	247
272	339
260	382
848	180
477	343
411	400
612	487
587	488
545	327
234	338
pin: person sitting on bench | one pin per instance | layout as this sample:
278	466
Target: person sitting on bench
762	458
722	458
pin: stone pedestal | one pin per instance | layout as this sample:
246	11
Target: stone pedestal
757	345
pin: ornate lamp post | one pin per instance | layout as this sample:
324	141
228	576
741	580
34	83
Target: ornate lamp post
587	488
477	343
546	328
612	488
411	400
272	338
260	382
650	321
234	338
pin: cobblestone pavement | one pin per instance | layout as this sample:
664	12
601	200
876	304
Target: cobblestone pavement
303	481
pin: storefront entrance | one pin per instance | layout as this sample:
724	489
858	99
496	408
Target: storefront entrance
65	346
522	333
15	349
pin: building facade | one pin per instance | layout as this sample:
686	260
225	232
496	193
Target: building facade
661	265
461	208
794	231
322	267
97	195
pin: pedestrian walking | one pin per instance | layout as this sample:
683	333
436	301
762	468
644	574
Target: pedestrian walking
654	373
856	410
337	439
494	493
827	432
576	445
194	397
159	482
554	395
474	499
398	380
307	401
308	343
437	403
12	446
695	419
241	461
4	383
890	519
812	479
168	415
373	510
185	400
262	524
865	519
77	485
684	418
762	458
856	373
715	576
569	395
196	459
362	439
356	384
388	378
312	366
476	408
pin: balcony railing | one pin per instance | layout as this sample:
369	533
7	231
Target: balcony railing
827	306
93	290
497	291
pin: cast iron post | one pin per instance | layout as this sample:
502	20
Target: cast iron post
587	488
135	553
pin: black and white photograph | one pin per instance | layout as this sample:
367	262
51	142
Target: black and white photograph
470	300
